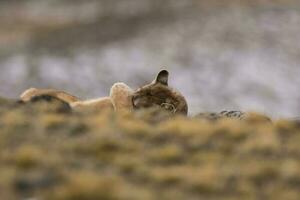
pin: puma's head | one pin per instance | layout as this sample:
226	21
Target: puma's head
159	94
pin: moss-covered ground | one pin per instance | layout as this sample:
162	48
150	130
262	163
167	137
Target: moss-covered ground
46	154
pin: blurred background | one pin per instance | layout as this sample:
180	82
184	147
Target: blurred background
233	54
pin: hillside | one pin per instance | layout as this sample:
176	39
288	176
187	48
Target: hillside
47	154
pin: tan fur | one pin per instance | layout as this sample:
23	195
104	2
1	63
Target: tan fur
32	92
119	99
155	94
93	104
121	96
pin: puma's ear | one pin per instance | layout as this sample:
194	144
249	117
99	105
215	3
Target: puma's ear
162	77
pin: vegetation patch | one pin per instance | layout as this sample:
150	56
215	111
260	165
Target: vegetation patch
46	153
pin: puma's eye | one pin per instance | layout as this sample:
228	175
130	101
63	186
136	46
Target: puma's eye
169	107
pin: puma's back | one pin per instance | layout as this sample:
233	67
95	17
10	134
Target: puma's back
119	99
159	94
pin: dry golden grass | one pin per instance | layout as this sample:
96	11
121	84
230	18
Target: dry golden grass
45	154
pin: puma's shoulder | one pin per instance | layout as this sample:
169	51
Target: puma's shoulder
121	96
119	99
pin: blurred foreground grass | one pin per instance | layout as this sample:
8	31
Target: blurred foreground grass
46	154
